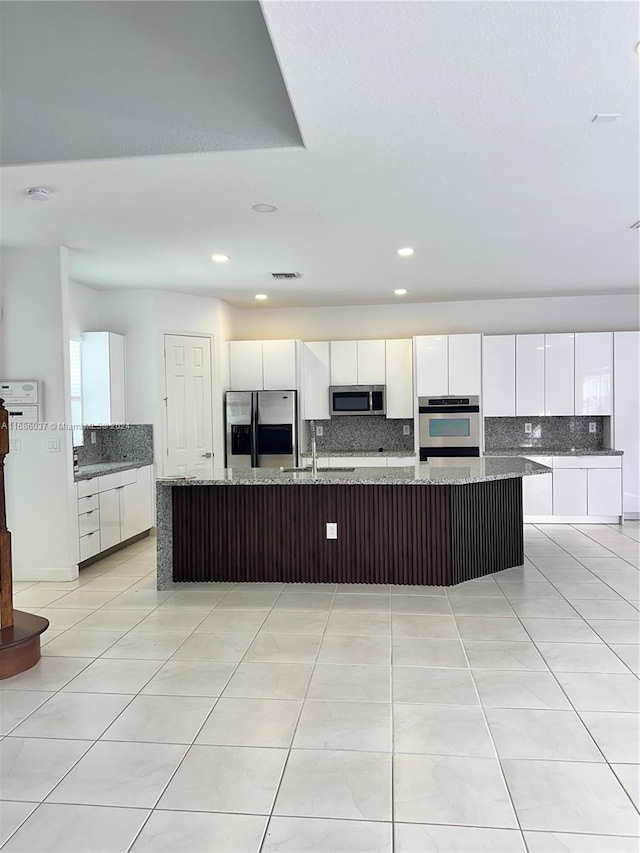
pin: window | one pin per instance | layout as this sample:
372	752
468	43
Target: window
75	362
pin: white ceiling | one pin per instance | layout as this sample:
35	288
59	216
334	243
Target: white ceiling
460	129
82	81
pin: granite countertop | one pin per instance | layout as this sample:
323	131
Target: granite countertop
444	472
87	472
338	453
553	451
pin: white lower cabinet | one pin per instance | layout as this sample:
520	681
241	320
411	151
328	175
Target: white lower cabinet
570	491
89	545
581	489
110	519
604	491
537	491
113	508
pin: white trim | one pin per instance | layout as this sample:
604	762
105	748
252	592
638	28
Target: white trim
25	575
572	519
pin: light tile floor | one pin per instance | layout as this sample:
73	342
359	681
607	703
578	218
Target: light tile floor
499	715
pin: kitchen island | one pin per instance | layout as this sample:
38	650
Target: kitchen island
436	523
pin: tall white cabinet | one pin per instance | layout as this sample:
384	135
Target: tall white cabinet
559	374
594	373
499	376
399	378
530	370
103	378
626	420
316	379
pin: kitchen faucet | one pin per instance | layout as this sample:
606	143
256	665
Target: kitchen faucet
314	449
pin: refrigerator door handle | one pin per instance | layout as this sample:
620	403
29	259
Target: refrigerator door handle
254	429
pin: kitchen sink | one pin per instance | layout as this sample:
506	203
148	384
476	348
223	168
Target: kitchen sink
308	470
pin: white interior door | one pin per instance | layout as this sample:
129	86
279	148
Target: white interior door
188	400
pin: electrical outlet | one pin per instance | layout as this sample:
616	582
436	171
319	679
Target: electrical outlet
319	431
14	445
592	426
53	445
406	429
93	436
332	529
528	429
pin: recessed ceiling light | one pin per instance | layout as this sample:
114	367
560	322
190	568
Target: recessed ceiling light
604	118
261	296
264	208
638	48
400	291
220	259
406	252
38	193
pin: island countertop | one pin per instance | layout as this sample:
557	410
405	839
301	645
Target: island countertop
437	472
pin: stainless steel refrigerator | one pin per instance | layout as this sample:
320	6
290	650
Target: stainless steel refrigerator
261	429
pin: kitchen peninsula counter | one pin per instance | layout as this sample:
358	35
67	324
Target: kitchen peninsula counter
435	523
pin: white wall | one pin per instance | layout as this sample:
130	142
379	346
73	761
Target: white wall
491	316
34	345
143	316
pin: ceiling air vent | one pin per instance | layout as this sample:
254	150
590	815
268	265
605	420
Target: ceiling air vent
283	276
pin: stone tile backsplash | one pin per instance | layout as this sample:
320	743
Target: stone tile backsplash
117	444
367	434
561	433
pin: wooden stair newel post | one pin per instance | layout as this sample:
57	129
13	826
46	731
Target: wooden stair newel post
6	583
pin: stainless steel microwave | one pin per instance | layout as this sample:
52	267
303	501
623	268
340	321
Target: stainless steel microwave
357	400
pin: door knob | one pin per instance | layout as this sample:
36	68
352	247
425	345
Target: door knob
207	455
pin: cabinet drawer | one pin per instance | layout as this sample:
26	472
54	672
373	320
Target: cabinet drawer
87	487
89	545
88	522
587	461
129	477
110	481
87	504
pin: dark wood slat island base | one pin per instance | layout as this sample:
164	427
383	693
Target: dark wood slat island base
427	535
435	523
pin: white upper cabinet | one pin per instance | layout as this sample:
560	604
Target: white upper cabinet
529	375
432	365
499	376
263	365
465	365
344	362
594	373
245	366
316	380
103	378
559	375
279	365
626	421
448	365
371	363
357	363
399	378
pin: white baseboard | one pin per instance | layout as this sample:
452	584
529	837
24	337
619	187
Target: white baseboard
572	519
57	575
632	516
